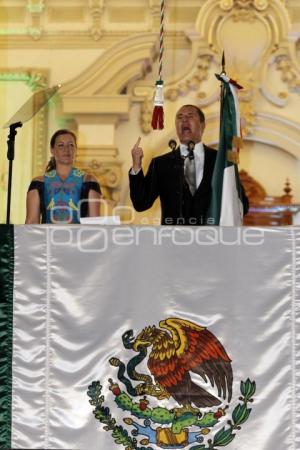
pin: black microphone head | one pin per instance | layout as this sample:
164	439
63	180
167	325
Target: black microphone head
172	144
191	145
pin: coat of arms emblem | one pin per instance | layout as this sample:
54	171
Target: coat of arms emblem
182	397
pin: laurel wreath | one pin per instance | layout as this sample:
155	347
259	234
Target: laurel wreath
222	438
240	415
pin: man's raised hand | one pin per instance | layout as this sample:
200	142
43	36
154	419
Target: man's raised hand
137	155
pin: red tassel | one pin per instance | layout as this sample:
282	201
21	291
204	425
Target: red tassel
158	118
158	111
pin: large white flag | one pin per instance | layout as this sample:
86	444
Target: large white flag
149	338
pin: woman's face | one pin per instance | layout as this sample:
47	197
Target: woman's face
64	149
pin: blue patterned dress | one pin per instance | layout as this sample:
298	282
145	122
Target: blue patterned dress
61	197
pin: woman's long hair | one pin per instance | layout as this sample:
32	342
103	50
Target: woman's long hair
51	163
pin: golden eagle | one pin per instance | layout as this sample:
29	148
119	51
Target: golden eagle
187	347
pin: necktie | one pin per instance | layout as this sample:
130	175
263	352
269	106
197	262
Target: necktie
190	172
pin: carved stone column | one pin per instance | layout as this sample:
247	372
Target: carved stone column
96	121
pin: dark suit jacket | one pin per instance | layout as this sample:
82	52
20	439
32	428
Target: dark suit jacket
165	179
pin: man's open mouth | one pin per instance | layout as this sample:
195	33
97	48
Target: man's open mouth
186	129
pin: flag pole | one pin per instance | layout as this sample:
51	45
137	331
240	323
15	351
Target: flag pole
222	93
223	63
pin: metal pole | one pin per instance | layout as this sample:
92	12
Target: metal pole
11	157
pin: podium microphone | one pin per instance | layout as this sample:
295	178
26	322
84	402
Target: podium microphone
172	144
190	147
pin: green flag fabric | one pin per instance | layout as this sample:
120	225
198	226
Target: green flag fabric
6	330
226	208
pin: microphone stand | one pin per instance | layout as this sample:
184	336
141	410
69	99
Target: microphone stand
11	157
181	183
179	166
190	156
29	109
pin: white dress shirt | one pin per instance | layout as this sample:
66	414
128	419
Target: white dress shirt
199	160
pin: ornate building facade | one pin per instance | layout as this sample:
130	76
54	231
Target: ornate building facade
105	55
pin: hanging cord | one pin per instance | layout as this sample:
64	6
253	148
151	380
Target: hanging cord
161	38
158	111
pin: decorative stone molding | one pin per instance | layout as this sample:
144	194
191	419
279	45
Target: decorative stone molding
285	61
109	175
277	131
270	19
289	72
96	10
268	51
70	39
101	161
214	14
146	115
128	60
65	30
155	12
34	78
248	118
244	10
114	106
191	82
273	51
35	8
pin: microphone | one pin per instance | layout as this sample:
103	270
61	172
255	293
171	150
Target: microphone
190	147
172	144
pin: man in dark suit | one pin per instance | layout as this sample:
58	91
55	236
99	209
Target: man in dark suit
181	204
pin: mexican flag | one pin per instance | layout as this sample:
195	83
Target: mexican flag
226	207
149	338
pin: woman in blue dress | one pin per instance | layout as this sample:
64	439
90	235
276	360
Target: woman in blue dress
64	193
